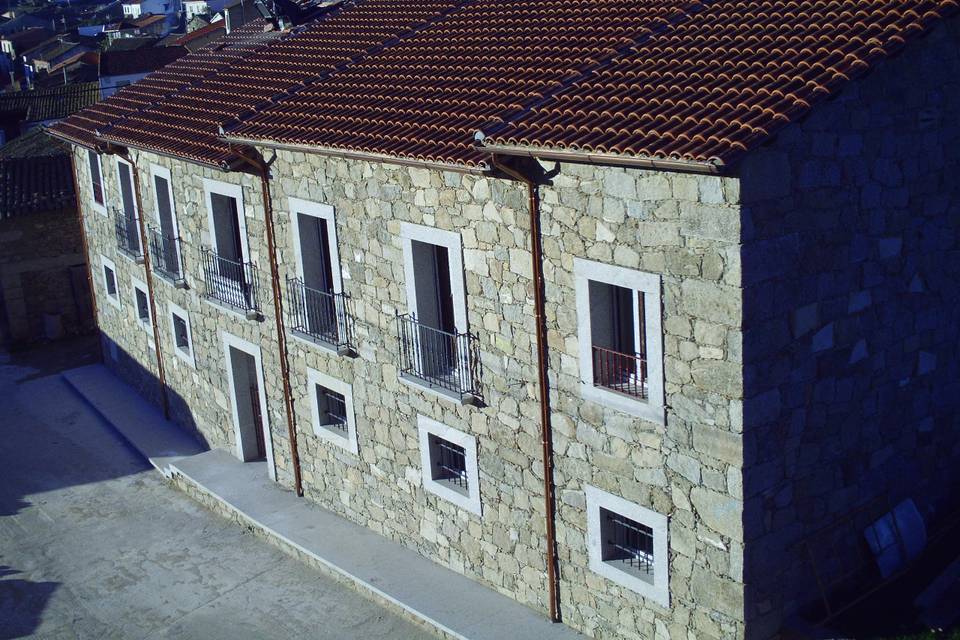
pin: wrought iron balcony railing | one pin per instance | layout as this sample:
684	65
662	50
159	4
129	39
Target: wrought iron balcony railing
321	315
447	362
231	282
621	372
165	254
128	235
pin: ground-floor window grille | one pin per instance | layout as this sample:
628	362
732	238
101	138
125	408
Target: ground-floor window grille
627	544
449	464
332	409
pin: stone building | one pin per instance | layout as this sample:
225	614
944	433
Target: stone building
604	305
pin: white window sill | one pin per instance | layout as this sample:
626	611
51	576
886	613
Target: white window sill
113	300
187	357
639	408
334	436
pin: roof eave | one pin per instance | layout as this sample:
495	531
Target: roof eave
357	155
226	165
68	139
713	167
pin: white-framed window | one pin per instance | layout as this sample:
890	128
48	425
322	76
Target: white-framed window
128	224
181	334
432	332
226	272
97	188
165	233
110	283
331	405
141	299
620	334
316	303
448	459
627	544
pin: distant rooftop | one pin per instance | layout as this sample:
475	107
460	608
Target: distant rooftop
35	175
40	105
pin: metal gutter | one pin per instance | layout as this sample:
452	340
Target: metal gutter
713	167
546	431
358	155
263	170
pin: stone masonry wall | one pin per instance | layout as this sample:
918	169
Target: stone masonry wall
683	228
851	264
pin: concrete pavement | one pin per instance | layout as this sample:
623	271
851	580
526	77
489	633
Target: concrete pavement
95	544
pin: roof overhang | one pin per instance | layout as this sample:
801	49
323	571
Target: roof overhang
357	155
713	167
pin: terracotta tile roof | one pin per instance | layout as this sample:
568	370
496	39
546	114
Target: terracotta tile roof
50	104
35	175
720	83
424	97
81	127
188	124
693	79
202	32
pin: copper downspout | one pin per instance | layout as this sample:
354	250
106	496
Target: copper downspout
264	171
144	247
546	432
83	239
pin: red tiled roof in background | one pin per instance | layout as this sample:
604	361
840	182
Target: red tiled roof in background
81	127
196	34
188	125
717	85
693	79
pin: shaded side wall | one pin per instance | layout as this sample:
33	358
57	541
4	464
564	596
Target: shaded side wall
851	265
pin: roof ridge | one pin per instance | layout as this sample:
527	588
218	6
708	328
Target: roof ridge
238	119
695	7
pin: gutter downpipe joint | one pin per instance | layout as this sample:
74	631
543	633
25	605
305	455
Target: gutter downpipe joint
546	432
260	166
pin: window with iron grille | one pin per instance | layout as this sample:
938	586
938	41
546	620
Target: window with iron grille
331	405
110	281
449	461
332	410
181	334
627	544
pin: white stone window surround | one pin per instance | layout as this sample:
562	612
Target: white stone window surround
234	191
349	442
188	355
598	499
454	245
107	263
156	171
96	206
649	284
427	427
230	340
145	323
325	212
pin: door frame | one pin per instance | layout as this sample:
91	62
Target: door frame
323	212
230	340
234	191
162	172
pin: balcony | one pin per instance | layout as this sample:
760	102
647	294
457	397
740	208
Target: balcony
165	253
441	361
231	283
322	316
127	229
620	372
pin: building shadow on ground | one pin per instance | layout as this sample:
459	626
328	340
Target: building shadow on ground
22	603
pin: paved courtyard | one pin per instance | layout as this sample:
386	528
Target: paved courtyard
95	544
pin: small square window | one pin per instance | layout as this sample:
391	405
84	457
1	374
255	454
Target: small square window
332	410
110	281
448	458
448	464
331	405
182	337
143	306
627	544
180	333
